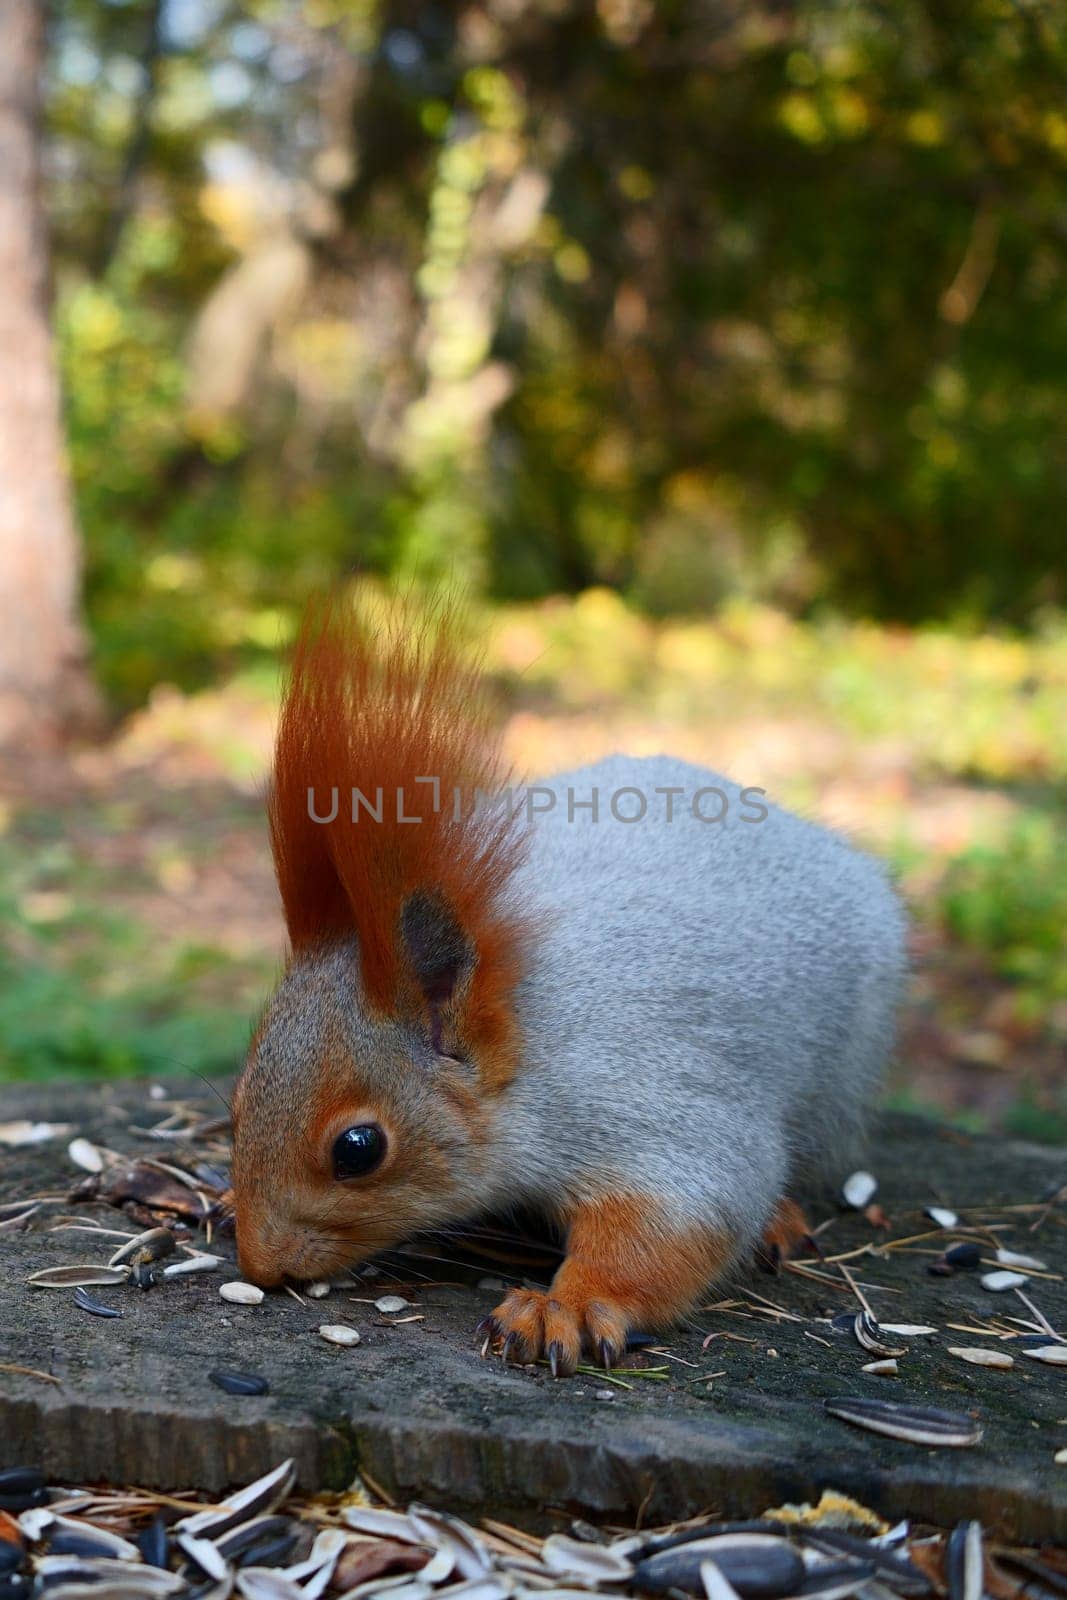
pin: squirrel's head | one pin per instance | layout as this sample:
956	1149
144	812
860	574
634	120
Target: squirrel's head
364	1108
353	1130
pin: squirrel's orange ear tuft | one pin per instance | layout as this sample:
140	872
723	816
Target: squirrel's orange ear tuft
380	811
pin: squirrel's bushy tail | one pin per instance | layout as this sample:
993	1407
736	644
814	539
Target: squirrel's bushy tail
384	719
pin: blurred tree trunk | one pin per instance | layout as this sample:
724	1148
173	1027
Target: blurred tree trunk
45	689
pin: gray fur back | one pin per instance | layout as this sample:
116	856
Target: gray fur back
710	1004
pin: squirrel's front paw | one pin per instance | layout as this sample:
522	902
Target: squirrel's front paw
535	1324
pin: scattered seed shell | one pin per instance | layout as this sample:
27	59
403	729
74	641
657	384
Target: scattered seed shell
963	1256
1053	1355
997	1282
84	1154
391	1303
338	1333
942	1216
882	1369
96	1308
151	1245
591	1563
204	1263
256	1499
859	1189
1010	1258
907	1330
241	1294
21	1132
964	1562
868	1334
917	1424
82	1275
317	1291
980	1357
1060	1458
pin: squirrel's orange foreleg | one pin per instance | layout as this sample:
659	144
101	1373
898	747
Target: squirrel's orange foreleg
627	1265
787	1234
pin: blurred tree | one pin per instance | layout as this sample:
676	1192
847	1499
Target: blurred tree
44	684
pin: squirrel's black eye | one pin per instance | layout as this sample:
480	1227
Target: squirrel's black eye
358	1151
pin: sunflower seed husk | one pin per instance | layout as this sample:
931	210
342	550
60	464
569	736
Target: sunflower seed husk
235	1545
84	1154
964	1255
108	1577
180	1269
386	1524
979	1357
997	1282
317	1291
859	1189
265	1583
69	1537
96	1308
241	1294
942	1216
205	1554
907	1330
868	1334
12	1223
21	1132
441	1531
338	1333
591	1563
904	1576
81	1275
315	1572
255	1500
247	1383
882	1369
760	1566
32	1523
964	1562
716	1586
1010	1258
836	1580
1060	1458
916	1424
391	1303
152	1245
1053	1355
15	1481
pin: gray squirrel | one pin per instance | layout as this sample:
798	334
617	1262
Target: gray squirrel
636	998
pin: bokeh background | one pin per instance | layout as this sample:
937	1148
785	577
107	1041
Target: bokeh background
718	350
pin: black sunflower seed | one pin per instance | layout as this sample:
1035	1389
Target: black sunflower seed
153	1543
96	1308
269	1552
917	1424
20	1480
240	1382
760	1566
964	1256
10	1557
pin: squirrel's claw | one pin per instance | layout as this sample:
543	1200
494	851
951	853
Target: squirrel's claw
555	1356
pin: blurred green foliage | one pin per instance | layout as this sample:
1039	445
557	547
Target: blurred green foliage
695	300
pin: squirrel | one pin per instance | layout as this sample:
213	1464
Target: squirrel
642	1001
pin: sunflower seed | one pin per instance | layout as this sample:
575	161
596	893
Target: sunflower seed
759	1566
84	1154
241	1294
1009	1258
391	1303
997	1282
240	1382
882	1369
591	1563
964	1562
859	1189
317	1291
979	1357
1053	1355
81	1275
15	1481
204	1263
942	1216
964	1255
84	1300
338	1333
868	1334
118	1578
149	1246
917	1424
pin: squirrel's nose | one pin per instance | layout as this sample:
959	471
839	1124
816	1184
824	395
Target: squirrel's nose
257	1261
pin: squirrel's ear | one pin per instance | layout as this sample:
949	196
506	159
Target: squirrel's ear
441	956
